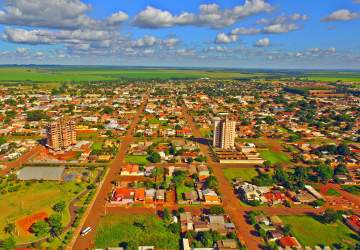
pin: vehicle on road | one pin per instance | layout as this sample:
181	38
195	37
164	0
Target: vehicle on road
85	231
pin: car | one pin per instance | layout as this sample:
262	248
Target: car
316	207
85	231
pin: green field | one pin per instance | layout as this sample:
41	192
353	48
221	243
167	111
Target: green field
98	73
134	231
246	174
274	157
34	198
97	145
311	232
84	74
137	159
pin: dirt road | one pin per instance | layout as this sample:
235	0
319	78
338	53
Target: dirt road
97	210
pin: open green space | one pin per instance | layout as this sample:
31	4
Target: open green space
311	232
97	145
137	159
274	157
180	190
246	174
351	189
333	192
84	74
35	197
134	231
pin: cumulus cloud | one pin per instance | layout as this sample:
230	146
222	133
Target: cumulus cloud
280	28
210	15
226	38
280	24
341	15
264	42
59	14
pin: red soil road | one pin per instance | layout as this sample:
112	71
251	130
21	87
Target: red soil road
22	159
230	201
97	210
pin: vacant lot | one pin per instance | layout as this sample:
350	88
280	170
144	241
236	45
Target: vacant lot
246	174
137	159
134	231
310	232
274	157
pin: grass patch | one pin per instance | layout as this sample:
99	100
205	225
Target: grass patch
333	192
351	189
274	157
311	232
36	197
246	174
137	159
180	189
97	145
134	231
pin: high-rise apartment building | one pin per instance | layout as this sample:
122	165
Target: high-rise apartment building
224	133
61	134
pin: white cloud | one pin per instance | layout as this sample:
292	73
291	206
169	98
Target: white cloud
117	18
226	38
59	14
156	18
341	15
264	42
209	15
245	31
280	28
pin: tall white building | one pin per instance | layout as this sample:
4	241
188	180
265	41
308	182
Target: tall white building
224	133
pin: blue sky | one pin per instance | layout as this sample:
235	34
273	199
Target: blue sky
236	34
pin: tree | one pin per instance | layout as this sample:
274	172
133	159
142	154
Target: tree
9	228
166	214
36	115
154	157
330	216
300	173
211	182
55	224
341	169
40	228
325	172
2	140
287	229
59	206
216	210
280	175
8	244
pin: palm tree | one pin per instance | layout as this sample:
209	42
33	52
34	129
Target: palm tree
9	228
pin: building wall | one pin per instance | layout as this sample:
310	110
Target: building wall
224	133
61	134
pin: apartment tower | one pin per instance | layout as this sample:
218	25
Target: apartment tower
224	133
61	134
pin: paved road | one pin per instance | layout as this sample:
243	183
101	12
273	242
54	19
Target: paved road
98	208
16	164
231	202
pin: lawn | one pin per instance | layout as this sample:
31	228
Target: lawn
333	192
274	157
134	231
137	159
34	198
246	174
97	145
311	232
180	189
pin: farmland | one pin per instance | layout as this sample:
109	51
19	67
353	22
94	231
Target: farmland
78	74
